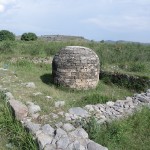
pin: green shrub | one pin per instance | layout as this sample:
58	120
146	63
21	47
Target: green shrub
6	47
6	35
12	131
29	36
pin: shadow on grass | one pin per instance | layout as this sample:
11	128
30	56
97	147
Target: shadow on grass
47	79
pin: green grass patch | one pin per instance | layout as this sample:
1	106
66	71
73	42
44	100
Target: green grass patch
12	131
132	133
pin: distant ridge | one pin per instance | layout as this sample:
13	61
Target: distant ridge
122	41
62	38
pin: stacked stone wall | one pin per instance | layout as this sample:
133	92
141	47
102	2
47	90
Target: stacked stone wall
76	67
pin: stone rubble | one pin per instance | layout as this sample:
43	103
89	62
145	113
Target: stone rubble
111	110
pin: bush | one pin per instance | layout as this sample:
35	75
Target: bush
6	35
6	47
29	36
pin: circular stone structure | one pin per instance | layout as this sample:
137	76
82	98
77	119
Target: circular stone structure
76	67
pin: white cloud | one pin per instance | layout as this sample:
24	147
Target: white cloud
120	22
4	3
2	8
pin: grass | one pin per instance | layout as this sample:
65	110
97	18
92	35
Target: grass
40	74
132	59
11	131
128	58
132	133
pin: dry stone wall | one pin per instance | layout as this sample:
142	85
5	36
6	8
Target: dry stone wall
111	110
63	137
76	67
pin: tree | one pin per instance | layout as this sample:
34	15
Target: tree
6	35
29	36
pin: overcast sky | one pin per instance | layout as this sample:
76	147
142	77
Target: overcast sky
94	19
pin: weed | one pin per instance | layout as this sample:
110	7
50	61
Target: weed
16	134
130	133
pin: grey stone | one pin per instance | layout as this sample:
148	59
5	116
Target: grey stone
35	116
79	111
129	98
89	107
94	146
110	103
148	94
148	91
20	110
59	124
30	85
43	140
32	127
79	133
60	133
48	97
37	93
61	113
143	99
47	129
50	147
62	143
68	127
54	116
9	96
59	103
67	117
33	108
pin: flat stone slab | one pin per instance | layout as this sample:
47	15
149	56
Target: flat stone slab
20	110
94	146
78	111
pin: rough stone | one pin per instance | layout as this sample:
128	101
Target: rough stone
143	98
59	103
94	146
59	124
32	127
20	110
76	67
60	133
33	108
62	143
48	97
54	116
79	133
37	93
9	96
47	129
30	85
43	140
68	127
110	103
79	111
89	108
50	147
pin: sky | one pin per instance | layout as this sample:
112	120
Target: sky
93	19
